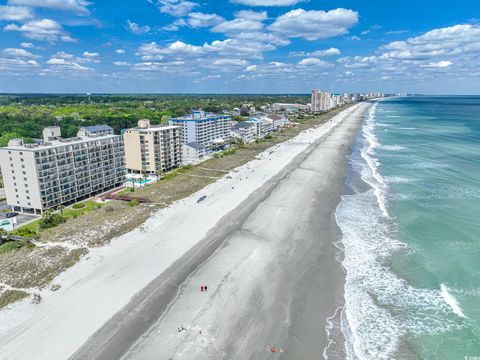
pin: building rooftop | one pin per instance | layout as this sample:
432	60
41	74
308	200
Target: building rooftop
196	145
199	115
97	128
242	125
54	143
154	128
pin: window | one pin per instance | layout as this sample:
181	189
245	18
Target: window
22	160
21	153
23	166
28	198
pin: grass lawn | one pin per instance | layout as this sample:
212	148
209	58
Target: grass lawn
32	229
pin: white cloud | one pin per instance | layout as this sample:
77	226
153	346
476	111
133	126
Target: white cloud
137	29
18	53
45	29
230	62
454	40
252	15
197	20
77	6
251	68
121	63
178	8
314	24
317	53
63	62
312	61
267	2
238	25
16	65
120	51
439	64
15	13
27	45
90	54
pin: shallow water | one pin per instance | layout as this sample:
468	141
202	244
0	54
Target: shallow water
412	238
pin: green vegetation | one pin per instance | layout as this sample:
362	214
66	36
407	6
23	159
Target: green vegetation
78	206
25	116
50	219
10	296
133	202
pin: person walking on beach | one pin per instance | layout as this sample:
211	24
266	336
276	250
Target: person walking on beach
205	287
201	288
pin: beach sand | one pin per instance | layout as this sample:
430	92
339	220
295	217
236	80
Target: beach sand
264	242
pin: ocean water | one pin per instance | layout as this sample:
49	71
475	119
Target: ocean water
411	231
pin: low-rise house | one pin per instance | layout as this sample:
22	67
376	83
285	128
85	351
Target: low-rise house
278	121
193	153
263	126
245	131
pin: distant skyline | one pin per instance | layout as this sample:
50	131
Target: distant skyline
239	46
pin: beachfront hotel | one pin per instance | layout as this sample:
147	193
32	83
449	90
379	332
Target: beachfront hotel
208	129
321	100
58	171
152	149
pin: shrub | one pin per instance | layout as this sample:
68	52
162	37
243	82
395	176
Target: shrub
78	206
50	220
133	202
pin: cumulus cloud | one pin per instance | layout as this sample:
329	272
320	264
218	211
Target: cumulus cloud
90	54
312	62
198	20
439	64
314	24
76	6
137	29
266	2
238	25
121	63
317	53
252	15
18	53
454	40
27	45
177	8
15	13
45	29
120	51
64	62
230	62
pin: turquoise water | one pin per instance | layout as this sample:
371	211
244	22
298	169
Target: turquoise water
411	231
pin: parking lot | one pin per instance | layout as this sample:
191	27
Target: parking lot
21	218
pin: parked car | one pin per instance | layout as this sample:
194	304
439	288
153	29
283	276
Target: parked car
201	198
11	214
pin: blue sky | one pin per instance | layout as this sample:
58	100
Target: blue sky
239	46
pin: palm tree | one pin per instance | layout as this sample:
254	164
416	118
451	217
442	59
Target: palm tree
3	235
61	208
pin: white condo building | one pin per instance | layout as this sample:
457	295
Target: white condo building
60	171
204	128
320	100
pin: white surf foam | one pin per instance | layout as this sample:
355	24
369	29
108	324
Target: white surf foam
380	308
392	147
451	301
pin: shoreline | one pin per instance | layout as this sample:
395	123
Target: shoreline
102	270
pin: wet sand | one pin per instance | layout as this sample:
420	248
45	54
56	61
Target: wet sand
272	269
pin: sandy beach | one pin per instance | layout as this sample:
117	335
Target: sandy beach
263	241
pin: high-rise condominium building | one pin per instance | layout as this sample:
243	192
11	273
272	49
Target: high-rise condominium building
320	100
152	149
204	128
60	171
